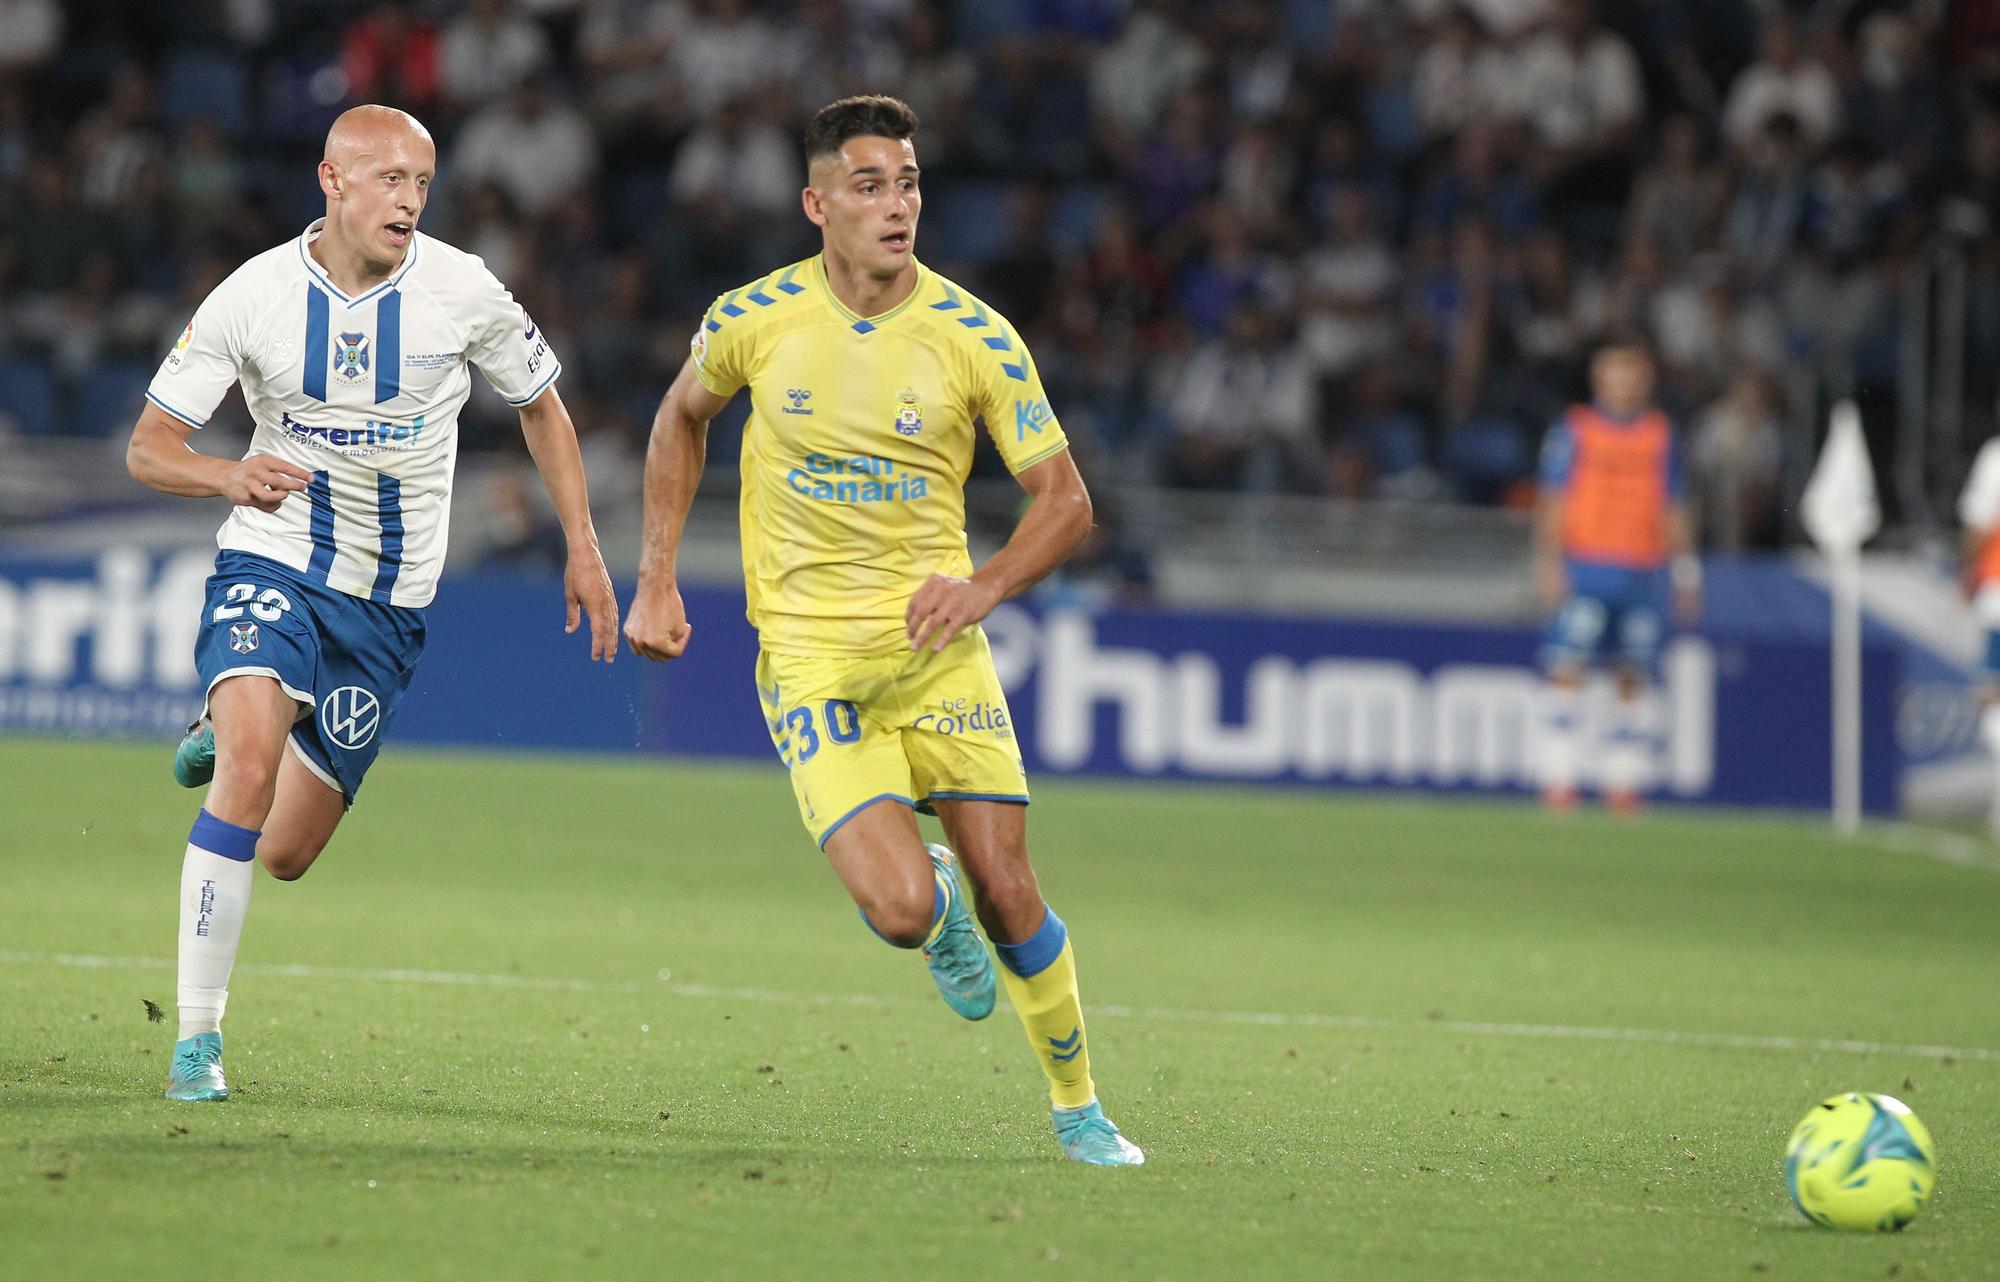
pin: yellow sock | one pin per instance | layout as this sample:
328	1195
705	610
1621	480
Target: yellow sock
1040	974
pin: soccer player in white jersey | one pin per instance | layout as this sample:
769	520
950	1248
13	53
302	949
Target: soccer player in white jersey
868	374
351	343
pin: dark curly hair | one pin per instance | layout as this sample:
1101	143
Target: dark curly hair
865	116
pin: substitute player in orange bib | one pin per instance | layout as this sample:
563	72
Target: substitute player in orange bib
1612	544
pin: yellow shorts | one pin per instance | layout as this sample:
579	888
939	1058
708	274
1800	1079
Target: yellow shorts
904	727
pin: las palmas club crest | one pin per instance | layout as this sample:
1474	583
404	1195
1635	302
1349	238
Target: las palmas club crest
909	414
350	355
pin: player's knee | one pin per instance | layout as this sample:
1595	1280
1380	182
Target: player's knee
903	915
247	780
287	860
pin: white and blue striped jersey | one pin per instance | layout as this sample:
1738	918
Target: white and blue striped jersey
364	392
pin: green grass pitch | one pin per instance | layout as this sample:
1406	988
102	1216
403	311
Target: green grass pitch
537	1017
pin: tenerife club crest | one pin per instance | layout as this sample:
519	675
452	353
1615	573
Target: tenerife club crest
909	414
243	637
350	355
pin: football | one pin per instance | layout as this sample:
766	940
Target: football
1860	1161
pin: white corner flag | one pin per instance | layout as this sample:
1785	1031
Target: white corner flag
1840	512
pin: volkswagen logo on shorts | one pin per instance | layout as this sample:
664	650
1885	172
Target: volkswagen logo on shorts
349	717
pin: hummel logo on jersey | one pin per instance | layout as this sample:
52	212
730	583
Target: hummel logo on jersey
799	396
350	355
349	716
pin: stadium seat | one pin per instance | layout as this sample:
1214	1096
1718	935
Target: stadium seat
28	396
197	84
109	398
965	224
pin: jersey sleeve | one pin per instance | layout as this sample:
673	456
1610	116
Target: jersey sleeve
721	352
507	345
1008	394
1979	505
206	360
1558	455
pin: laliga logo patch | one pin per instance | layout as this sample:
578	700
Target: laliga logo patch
174	358
909	414
349	717
243	637
698	345
350	355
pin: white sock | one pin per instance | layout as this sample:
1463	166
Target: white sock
215	895
1562	734
1628	750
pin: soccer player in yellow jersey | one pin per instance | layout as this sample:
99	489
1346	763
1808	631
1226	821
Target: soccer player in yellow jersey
867	373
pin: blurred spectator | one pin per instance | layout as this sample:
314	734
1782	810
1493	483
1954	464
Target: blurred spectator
537	149
1153	61
486	52
391	54
1375	445
1243	414
1785	81
625	48
51	234
1021	279
204	177
1764	215
736	186
30	32
1461	76
117	150
1736	463
937	81
1348	289
726	51
1677	198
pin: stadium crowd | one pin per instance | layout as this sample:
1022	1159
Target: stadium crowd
1339	247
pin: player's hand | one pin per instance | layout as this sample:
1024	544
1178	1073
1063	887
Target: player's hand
1551	584
657	627
944	605
263	482
587	589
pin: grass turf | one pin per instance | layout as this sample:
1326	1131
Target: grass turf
617	1019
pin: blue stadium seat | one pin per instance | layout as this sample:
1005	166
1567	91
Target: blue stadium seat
197	84
967	220
1074	216
28	395
109	399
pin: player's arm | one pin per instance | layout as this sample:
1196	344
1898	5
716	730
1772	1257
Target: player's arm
159	455
551	437
1684	565
657	625
1057	521
1551	582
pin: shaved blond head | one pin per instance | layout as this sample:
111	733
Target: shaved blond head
362	132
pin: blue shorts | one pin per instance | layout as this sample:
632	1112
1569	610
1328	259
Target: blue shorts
1613	615
348	659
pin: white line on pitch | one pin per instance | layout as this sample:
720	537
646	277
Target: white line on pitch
1273	1019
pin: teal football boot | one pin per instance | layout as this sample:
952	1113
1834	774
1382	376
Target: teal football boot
1087	1136
197	1069
958	959
194	760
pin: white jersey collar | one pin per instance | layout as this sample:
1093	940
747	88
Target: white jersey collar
318	273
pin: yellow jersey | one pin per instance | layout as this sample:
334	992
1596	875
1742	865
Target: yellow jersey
858	445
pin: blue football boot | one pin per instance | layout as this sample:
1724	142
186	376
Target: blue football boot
1087	1136
194	760
197	1069
958	959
